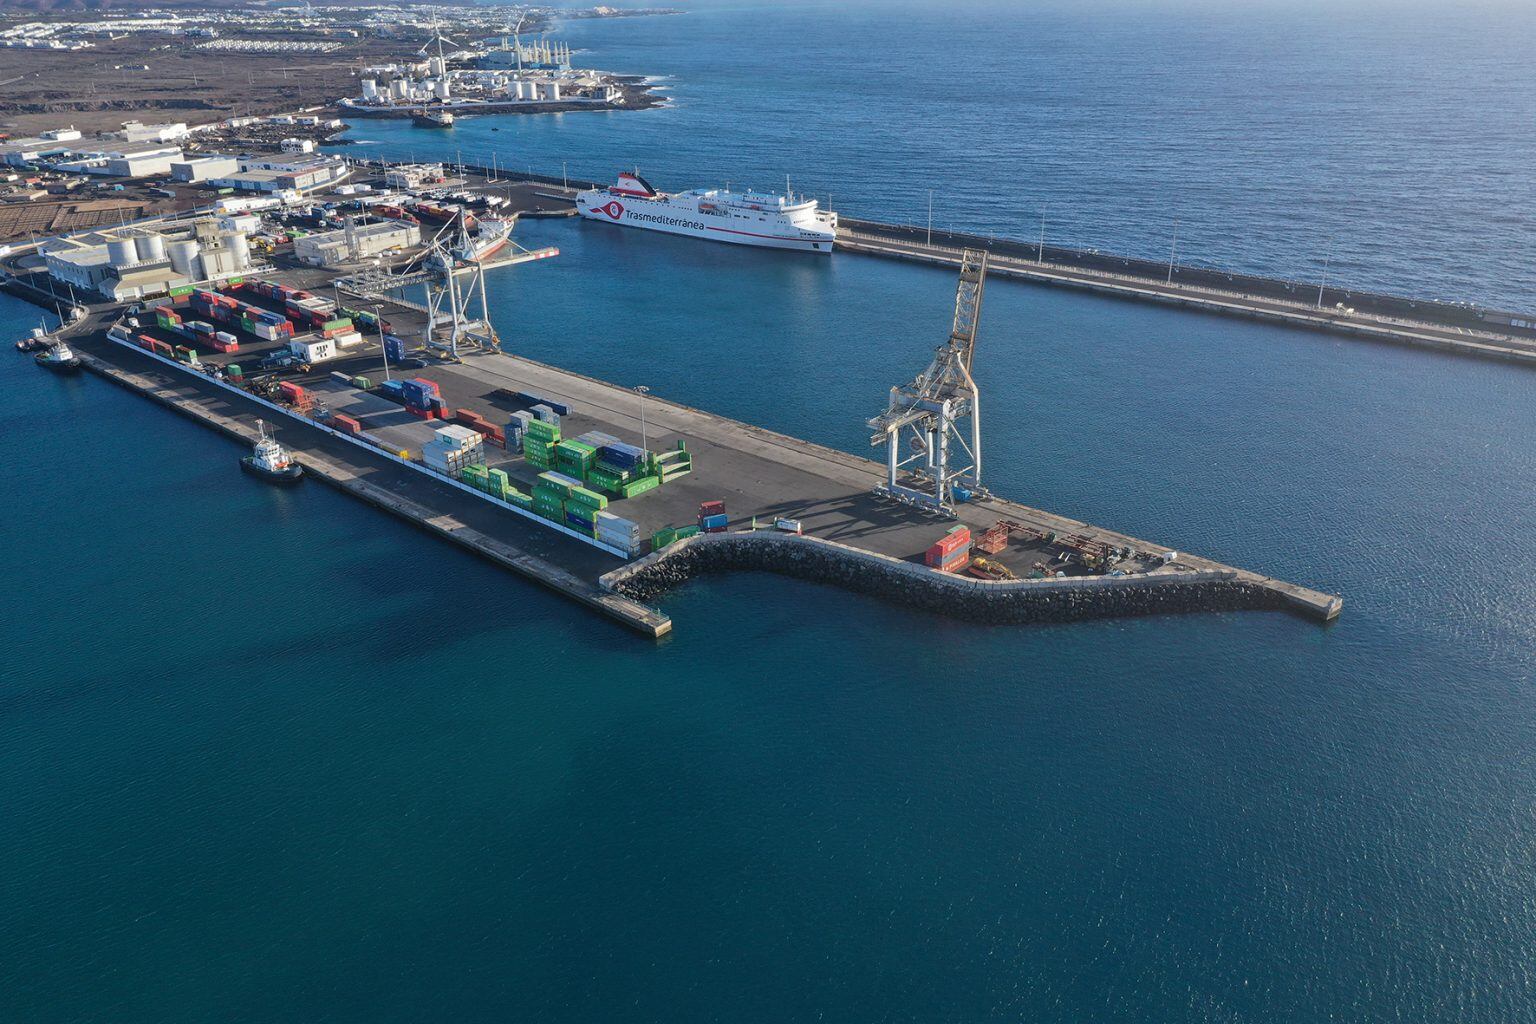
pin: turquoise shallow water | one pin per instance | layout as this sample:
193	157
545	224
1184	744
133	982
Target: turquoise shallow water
257	765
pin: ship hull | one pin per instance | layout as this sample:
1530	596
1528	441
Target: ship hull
647	216
66	367
281	477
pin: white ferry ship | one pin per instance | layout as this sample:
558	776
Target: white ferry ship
746	218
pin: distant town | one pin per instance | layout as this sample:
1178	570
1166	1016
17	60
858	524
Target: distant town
109	117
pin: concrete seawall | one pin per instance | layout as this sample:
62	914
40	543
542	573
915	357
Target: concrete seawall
1164	591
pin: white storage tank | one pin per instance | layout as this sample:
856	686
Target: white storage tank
150	246
370	90
442	89
239	249
183	257
397	88
121	252
552	90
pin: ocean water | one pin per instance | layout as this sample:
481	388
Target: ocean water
271	755
1384	143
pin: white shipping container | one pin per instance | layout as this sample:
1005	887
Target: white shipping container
346	339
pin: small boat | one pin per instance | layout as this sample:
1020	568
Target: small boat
270	462
34	342
58	358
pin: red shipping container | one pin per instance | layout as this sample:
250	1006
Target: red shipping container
291	390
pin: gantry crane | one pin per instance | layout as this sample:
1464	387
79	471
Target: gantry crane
454	284
931	413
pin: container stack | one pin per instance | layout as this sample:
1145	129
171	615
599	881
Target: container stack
617	532
516	427
452	449
552	495
474	421
422	397
582	508
546	414
952	552
712	517
575	458
539	440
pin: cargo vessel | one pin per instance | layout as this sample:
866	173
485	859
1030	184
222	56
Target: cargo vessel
269	461
745	218
59	358
432	118
489	237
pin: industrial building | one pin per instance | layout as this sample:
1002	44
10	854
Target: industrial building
297	176
135	131
135	263
204	168
413	176
356	242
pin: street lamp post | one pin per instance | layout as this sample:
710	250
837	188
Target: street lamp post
930	218
1173	250
1040	252
1324	282
378	319
642	391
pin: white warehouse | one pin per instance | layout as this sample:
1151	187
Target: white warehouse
204	168
357	242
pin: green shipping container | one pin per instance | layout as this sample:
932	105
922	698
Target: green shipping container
640	486
589	498
336	325
185	289
362	382
661	538
687	531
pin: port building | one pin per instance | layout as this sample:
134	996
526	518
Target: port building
205	168
135	263
356	242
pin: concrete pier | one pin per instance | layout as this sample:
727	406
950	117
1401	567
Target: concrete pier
853	538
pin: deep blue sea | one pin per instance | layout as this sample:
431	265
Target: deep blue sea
274	756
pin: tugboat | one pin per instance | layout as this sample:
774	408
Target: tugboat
58	358
34	342
268	461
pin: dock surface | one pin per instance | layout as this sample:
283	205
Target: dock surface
760	474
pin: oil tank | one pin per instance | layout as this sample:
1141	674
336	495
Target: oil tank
397	88
183	256
121	252
552	90
370	90
239	251
150	246
441	91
